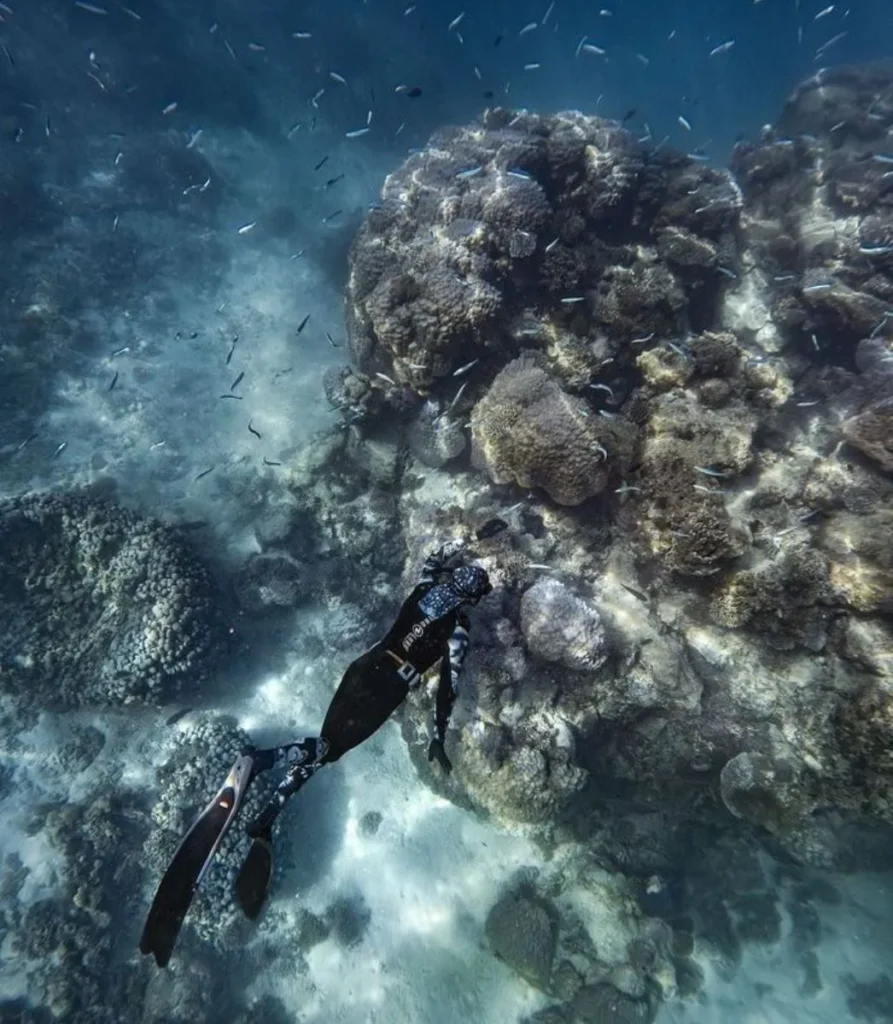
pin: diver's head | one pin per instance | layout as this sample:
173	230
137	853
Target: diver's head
471	583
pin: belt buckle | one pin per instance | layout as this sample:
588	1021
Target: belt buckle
407	672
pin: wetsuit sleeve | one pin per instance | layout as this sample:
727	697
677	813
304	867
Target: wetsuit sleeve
450	670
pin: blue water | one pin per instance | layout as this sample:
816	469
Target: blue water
180	186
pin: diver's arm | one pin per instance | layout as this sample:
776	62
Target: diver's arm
448	689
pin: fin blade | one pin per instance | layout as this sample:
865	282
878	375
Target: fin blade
178	885
253	880
189	864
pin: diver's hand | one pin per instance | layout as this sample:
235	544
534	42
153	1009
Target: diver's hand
447	551
436	752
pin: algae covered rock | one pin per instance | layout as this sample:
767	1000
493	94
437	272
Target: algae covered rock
762	789
435	437
872	433
560	627
526	430
781	600
604	1004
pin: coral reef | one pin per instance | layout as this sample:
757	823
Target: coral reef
816	216
100	605
64	942
871	432
531	227
707	357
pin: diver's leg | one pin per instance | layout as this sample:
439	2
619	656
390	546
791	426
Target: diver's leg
253	880
367	696
288	755
305	757
370	692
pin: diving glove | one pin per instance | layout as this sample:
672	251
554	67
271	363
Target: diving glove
437	753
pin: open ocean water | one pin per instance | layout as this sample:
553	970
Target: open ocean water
292	294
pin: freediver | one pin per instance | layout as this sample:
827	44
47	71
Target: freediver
431	626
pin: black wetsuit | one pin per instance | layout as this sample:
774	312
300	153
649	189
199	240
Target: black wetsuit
375	685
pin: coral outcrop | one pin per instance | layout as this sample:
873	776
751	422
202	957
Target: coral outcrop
526	226
100	605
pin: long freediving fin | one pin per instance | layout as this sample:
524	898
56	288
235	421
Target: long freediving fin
253	879
191	861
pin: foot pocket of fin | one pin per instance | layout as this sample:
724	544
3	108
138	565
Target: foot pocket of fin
253	880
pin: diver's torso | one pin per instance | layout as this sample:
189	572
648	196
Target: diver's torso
417	637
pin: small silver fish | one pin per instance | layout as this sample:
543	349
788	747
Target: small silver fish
722	48
452	404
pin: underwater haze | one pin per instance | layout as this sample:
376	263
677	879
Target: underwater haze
307	308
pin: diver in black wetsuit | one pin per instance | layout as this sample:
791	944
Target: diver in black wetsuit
432	625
